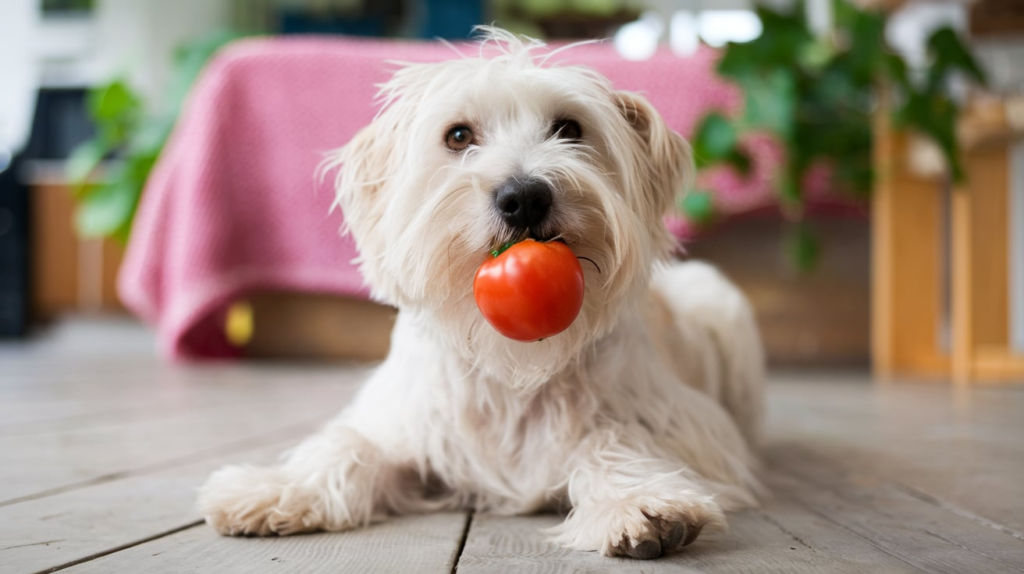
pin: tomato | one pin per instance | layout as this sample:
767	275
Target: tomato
530	291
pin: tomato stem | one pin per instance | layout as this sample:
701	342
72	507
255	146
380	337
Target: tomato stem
503	248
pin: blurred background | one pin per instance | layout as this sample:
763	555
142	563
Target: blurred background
862	176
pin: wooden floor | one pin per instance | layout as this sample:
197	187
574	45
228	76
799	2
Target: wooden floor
102	447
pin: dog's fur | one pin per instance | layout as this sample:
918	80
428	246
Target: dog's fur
639	419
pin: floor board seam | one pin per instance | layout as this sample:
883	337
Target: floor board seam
835	522
116	549
972	550
137	412
922	496
785	530
195	457
874	544
462	541
817	457
925	497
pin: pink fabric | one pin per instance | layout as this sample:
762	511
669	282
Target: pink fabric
233	206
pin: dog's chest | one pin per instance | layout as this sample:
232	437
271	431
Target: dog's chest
509	453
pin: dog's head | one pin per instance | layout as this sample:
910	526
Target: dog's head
472	153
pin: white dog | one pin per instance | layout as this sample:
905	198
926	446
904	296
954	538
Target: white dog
638	419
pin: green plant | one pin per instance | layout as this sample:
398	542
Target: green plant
107	193
817	96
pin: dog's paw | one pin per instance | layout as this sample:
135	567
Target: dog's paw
642	527
656	537
254	501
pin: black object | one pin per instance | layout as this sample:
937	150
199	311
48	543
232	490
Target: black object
60	123
14	302
367	18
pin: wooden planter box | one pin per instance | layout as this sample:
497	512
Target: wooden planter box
68	274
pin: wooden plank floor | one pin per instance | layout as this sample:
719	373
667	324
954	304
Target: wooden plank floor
102	448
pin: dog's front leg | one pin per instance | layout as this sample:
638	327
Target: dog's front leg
629	502
334	480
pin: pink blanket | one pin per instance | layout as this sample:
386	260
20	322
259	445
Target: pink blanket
233	206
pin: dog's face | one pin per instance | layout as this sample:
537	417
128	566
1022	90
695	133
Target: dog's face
472	153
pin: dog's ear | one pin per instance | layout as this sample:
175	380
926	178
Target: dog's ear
366	165
365	168
665	159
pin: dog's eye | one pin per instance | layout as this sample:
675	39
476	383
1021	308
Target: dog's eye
566	130
458	138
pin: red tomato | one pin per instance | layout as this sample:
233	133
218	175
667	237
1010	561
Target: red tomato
530	291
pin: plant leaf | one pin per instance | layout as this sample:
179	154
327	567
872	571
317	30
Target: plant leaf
867	40
739	160
122	125
84	160
950	54
934	115
771	103
896	69
785	37
106	209
802	247
739	61
715	139
699	206
790	194
114	102
785	40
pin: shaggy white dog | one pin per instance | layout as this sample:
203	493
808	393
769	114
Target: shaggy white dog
638	419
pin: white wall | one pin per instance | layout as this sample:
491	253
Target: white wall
138	37
18	73
134	39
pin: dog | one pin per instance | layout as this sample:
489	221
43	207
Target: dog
639	421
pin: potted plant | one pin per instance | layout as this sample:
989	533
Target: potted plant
817	95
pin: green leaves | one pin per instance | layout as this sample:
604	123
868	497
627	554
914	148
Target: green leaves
934	115
930	110
785	38
771	102
107	201
114	102
949	55
135	138
116	110
717	141
84	160
105	209
699	207
714	140
817	97
802	247
784	41
865	34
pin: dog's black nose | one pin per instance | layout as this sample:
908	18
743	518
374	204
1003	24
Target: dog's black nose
523	203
